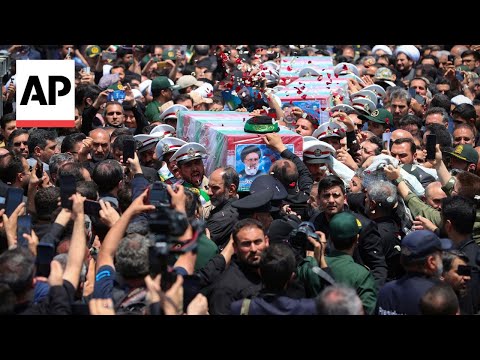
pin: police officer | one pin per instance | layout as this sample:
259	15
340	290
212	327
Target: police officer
422	260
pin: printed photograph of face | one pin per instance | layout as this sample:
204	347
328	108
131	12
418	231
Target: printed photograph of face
252	160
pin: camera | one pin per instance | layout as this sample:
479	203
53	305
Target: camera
166	225
299	237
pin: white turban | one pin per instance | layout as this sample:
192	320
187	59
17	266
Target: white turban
385	48
409	50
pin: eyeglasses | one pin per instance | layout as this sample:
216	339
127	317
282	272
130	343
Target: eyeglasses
20	143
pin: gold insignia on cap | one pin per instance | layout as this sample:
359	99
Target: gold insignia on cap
359	223
375	113
94	50
191	152
171	53
166	147
458	149
120	87
317	152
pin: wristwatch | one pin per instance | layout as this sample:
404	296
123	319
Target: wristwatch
398	180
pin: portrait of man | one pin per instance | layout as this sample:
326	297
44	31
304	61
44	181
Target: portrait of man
250	157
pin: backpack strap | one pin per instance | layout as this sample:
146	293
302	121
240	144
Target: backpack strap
245	307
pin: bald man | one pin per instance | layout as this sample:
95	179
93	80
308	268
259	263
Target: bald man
434	195
400	134
100	149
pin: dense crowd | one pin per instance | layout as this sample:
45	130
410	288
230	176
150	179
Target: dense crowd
353	188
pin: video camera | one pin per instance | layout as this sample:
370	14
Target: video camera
299	237
167	225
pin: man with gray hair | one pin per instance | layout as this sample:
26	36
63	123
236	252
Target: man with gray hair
380	202
339	300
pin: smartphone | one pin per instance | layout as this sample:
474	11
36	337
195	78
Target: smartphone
159	196
430	146
451	58
420	99
162	65
68	187
459	76
45	254
24	226
183	49
91	207
128	150
39	169
191	287
107	55
13	199
412	92
86	70
386	140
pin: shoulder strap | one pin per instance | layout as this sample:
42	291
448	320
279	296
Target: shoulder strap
245	307
323	274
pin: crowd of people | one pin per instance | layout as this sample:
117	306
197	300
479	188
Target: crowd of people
117	215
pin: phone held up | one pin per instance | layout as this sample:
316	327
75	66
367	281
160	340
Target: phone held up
68	187
430	146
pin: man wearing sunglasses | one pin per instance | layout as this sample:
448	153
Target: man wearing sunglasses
458	217
457	274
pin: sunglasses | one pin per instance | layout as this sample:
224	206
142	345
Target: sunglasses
464	270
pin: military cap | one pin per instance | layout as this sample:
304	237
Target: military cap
189	151
422	243
263	182
381	116
377	89
341	107
465	152
309	71
171	112
345	68
344	226
168	144
364	105
147	141
329	129
315	152
258	202
164	129
365	94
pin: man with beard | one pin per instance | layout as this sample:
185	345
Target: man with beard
331	198
250	157
98	144
241	279
190	166
222	189
406	56
421	257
